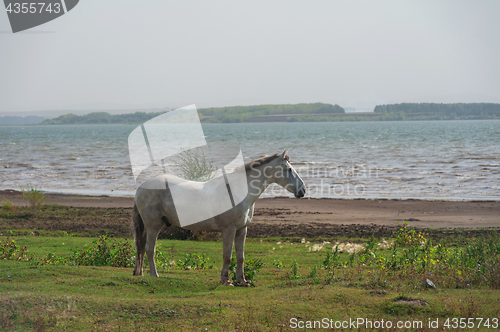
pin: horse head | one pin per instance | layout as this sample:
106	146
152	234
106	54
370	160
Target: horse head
287	177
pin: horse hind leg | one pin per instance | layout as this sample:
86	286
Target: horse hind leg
139	261
227	244
239	244
152	235
140	241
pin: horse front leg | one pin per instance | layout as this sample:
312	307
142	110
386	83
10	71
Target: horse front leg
239	244
227	244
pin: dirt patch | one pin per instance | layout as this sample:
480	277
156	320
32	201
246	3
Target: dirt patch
413	302
322	230
379	292
116	221
73	220
418	213
281	211
319	230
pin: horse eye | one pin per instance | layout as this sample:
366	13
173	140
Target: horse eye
289	170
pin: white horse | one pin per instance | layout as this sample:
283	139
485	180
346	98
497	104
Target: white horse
153	208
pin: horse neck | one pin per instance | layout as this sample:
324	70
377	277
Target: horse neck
258	182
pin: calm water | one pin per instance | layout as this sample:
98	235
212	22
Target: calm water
427	159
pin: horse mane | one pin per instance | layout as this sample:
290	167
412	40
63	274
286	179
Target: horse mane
257	162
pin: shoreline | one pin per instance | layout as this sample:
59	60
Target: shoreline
327	211
125	197
370	119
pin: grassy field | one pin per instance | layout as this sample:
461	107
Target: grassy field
53	280
102	298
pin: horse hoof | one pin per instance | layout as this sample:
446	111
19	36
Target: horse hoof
243	284
226	283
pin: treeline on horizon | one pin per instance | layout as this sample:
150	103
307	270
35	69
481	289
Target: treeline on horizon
435	111
245	113
102	118
316	112
210	115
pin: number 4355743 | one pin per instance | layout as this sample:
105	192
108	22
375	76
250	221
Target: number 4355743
471	323
33	8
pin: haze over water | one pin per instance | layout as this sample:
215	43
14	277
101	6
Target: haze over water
414	159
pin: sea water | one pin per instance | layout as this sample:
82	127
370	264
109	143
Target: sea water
414	159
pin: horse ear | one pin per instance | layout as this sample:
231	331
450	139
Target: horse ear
283	155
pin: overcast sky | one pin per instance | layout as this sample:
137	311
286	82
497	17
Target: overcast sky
152	54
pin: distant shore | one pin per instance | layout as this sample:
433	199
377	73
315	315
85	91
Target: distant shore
347	117
418	213
304	112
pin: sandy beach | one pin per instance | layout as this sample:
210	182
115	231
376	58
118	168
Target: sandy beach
418	213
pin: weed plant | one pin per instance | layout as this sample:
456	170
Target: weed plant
294	273
33	196
194	261
9	250
252	268
195	166
105	252
8	206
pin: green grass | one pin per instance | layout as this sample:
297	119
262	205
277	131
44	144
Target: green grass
61	297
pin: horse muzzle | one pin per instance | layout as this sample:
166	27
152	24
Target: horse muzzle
301	193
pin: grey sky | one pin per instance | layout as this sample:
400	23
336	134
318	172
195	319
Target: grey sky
144	54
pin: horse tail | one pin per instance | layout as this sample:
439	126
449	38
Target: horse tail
138	224
140	239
